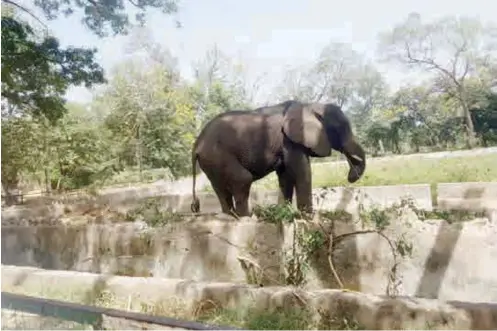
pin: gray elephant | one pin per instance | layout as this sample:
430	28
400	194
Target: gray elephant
237	148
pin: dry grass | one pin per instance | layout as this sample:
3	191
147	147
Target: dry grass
206	312
15	320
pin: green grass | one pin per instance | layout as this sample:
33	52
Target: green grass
402	171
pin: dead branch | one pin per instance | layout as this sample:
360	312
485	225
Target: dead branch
332	243
330	256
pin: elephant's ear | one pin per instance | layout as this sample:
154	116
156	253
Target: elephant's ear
302	126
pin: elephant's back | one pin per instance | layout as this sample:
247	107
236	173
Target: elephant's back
251	138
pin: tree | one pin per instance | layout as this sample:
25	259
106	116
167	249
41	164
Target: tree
36	71
219	86
330	79
79	154
485	119
452	49
21	157
150	118
369	93
101	17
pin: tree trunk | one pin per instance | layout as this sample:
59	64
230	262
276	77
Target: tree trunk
139	152
470	128
11	191
48	186
382	147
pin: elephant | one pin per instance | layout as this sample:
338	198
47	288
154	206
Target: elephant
238	147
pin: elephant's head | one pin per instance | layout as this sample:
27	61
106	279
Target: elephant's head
322	127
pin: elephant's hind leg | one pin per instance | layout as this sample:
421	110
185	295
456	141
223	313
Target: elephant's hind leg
241	196
225	197
240	180
217	178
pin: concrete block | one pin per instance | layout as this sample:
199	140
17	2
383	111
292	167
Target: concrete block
350	198
467	196
442	264
368	311
337	198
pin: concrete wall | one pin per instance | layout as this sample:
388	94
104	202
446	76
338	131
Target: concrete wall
368	311
443	263
468	196
368	197
345	198
471	196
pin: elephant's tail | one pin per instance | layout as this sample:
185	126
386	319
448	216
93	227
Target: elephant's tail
195	206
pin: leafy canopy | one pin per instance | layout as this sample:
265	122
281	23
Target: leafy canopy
36	74
106	17
37	71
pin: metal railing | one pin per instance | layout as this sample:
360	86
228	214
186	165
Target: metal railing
91	315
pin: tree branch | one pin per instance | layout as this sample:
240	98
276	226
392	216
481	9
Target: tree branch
134	3
431	65
26	11
456	58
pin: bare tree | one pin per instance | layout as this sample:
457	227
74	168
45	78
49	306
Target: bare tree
330	79
221	83
141	45
453	49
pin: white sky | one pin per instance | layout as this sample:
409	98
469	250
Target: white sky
269	34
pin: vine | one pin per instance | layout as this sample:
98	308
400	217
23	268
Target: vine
313	232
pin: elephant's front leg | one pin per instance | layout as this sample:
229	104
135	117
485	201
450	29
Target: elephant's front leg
299	169
287	184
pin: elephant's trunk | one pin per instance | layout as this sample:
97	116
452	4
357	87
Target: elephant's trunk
356	157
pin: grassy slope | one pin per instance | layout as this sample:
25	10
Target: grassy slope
403	171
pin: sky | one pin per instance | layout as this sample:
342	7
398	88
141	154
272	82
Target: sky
268	35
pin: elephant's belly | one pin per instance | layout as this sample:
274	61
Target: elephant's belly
261	171
261	174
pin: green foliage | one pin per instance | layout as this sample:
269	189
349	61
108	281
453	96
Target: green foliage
21	156
106	17
485	120
312	240
378	217
458	52
37	73
312	236
141	127
145	119
71	154
150	118
418	118
150	212
451	216
276	213
257	319
80	148
336	215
